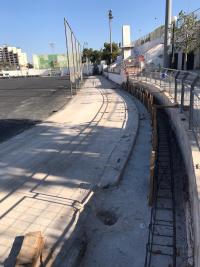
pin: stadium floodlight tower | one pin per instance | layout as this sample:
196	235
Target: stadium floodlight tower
110	17
167	39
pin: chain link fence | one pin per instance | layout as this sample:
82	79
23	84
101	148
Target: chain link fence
74	57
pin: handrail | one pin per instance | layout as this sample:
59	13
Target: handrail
183	88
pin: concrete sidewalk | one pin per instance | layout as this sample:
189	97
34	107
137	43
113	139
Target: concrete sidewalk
49	172
117	226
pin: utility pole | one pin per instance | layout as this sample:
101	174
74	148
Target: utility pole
110	16
168	15
174	24
85	44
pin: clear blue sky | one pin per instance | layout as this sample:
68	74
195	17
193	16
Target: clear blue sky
33	24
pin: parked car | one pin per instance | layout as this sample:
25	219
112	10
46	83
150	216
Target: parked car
4	75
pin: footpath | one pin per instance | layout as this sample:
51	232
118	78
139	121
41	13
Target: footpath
49	173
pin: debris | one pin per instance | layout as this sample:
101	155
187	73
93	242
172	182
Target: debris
31	249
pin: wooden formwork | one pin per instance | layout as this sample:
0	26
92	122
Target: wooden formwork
151	103
132	90
154	155
148	100
146	97
152	178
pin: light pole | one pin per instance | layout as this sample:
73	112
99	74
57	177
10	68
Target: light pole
87	60
110	16
174	22
52	46
168	14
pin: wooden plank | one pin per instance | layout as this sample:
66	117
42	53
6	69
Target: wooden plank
31	249
152	179
166	106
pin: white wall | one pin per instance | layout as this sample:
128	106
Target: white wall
142	49
88	69
126	41
34	72
118	78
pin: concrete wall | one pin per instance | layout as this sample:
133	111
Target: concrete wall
152	52
126	41
34	72
118	78
142	49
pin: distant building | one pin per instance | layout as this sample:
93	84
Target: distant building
12	58
151	46
54	61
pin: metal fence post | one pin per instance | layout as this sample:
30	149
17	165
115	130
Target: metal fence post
176	85
191	107
183	91
74	67
68	61
191	111
182	95
170	84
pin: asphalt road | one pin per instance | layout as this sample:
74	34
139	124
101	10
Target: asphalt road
27	101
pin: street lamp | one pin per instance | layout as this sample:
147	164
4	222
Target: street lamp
110	17
85	44
174	24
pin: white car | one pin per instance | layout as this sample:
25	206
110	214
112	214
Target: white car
4	75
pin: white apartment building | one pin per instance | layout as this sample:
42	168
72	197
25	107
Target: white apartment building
12	58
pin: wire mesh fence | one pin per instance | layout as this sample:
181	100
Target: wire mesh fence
74	57
196	13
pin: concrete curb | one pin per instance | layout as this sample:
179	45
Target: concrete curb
111	176
118	161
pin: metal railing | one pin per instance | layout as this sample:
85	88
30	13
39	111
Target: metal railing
183	88
196	13
74	57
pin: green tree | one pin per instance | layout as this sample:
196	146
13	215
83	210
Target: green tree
106	55
96	56
87	54
187	34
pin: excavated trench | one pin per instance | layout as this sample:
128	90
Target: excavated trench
167	243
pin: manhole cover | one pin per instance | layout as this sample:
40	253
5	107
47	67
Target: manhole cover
107	217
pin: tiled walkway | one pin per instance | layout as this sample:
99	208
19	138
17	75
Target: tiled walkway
48	173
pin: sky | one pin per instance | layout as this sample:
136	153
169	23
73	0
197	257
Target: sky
34	24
